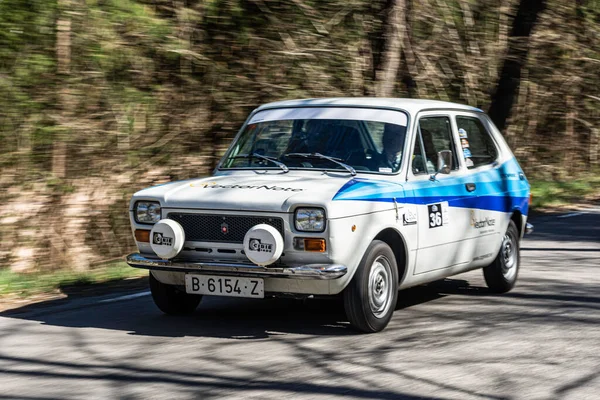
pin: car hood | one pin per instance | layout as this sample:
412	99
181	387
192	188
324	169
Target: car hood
261	192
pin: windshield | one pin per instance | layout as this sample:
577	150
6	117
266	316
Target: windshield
327	139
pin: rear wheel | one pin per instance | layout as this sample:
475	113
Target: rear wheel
170	300
501	275
370	297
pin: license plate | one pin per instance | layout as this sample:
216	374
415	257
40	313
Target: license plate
225	286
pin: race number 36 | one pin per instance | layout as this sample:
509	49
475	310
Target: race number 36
436	217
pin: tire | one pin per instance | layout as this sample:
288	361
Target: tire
170	300
370	297
501	275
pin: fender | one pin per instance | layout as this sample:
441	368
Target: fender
369	227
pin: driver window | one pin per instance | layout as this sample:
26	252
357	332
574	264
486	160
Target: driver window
434	135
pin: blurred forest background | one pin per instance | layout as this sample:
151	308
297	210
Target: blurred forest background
100	98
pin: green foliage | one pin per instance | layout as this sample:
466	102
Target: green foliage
25	27
12	283
560	193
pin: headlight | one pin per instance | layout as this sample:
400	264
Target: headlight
310	219
147	212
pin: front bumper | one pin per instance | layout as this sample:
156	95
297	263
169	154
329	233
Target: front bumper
309	271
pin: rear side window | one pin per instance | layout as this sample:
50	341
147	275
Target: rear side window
434	135
477	144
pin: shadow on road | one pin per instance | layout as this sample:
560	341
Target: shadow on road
255	319
239	319
228	317
432	318
124	374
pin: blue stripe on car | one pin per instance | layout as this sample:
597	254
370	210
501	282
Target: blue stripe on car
498	189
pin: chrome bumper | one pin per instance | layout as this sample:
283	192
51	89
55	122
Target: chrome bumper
309	271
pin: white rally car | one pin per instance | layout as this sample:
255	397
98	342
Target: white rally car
354	196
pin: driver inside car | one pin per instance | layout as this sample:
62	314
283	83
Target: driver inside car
393	142
311	139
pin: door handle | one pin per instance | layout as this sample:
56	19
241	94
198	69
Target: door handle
470	187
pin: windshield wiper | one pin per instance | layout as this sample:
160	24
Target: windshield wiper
256	155
335	160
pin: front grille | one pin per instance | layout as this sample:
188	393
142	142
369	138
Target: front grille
221	228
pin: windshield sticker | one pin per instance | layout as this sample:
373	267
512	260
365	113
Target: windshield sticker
385	169
214	185
343	113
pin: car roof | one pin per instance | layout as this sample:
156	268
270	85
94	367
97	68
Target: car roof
412	106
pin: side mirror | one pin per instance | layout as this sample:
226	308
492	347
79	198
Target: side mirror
444	163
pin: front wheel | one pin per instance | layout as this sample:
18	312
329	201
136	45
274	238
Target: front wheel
501	275
370	297
170	300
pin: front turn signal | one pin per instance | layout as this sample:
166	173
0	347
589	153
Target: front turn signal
317	245
142	235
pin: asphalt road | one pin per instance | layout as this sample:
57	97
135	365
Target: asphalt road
448	340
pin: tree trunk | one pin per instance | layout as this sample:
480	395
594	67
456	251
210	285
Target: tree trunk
185	37
387	71
63	42
570	155
409	70
63	63
518	49
594	148
59	149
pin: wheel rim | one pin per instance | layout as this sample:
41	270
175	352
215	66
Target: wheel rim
380	287
509	256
